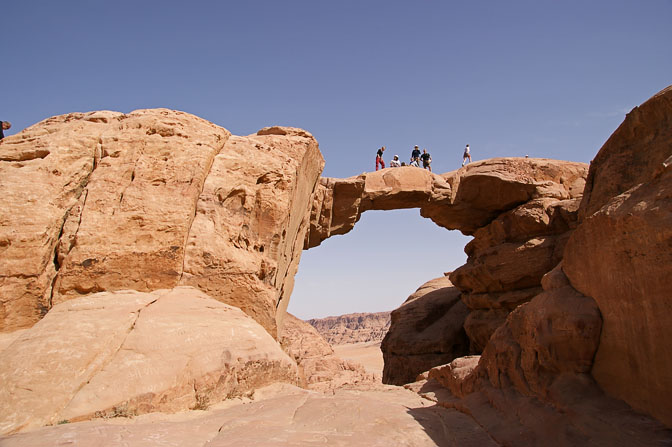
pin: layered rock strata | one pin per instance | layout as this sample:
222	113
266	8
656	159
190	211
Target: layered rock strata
153	199
589	355
520	212
126	353
319	368
353	328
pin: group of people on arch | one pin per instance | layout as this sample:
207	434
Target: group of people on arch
416	158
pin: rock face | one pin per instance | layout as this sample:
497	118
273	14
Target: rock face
319	367
127	353
621	255
465	200
427	330
353	328
520	212
153	199
595	338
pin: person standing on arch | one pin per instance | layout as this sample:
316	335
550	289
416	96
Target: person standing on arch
379	158
466	155
415	155
426	160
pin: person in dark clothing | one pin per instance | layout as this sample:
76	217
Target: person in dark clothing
426	160
415	155
4	125
379	158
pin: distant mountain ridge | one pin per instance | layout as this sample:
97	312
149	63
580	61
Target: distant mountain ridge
353	328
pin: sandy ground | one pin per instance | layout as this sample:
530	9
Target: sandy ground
367	354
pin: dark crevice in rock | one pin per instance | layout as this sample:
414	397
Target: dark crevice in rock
208	170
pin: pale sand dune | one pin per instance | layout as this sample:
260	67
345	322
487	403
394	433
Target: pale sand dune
368	354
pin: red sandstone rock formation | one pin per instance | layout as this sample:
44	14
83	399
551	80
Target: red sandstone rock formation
427	330
353	328
520	212
153	199
595	339
621	255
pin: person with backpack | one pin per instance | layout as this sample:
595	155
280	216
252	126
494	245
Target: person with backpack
379	158
426	160
4	125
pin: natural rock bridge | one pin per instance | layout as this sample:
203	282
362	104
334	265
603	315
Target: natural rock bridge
164	212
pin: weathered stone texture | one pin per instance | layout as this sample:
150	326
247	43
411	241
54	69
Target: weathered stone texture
319	367
126	353
621	255
152	199
425	331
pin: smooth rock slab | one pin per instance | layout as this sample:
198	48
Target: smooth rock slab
128	353
385	416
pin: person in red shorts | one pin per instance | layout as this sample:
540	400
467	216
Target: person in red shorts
379	158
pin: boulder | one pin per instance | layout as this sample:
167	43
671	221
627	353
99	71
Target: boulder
126	353
557	332
426	331
148	200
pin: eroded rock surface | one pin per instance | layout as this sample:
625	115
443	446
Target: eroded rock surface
621	255
319	367
427	330
353	328
153	199
520	212
380	416
586	361
127	353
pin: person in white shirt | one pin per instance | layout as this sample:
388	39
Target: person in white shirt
395	163
466	155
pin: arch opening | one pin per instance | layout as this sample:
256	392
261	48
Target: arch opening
376	266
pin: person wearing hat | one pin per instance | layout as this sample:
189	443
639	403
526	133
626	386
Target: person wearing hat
415	156
395	163
4	125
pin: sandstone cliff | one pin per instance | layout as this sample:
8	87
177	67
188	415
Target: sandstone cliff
520	212
353	328
153	199
595	337
565	297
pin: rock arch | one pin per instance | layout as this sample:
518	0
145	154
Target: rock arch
466	200
519	211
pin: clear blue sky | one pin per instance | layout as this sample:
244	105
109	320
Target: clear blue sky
545	78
